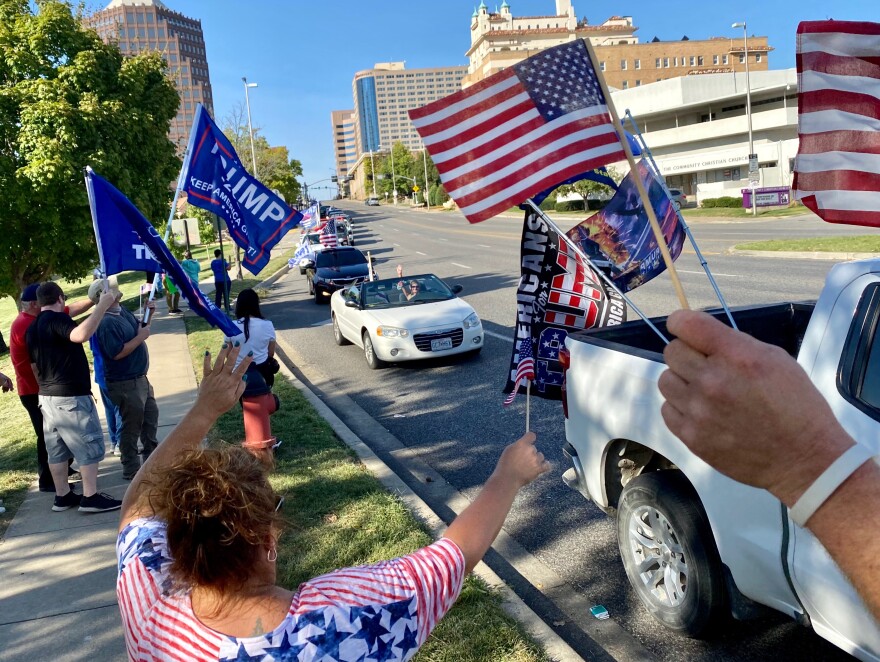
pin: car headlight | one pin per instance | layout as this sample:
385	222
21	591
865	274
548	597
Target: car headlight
392	332
471	321
304	262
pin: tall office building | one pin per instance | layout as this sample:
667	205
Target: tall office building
344	148
500	40
384	94
138	26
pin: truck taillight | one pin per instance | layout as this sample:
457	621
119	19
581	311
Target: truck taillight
565	362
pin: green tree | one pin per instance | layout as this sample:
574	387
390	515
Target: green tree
587	188
68	100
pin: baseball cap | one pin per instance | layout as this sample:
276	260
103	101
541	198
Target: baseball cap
30	292
97	287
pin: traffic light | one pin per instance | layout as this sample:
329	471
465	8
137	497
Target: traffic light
334	179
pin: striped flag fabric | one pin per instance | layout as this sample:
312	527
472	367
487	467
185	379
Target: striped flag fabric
837	168
328	234
525	368
520	131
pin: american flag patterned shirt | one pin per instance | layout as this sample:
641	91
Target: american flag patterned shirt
372	613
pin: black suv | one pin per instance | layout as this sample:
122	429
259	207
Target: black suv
335	268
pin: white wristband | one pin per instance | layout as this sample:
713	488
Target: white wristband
825	485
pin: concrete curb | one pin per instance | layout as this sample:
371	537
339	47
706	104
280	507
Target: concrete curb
804	255
552	643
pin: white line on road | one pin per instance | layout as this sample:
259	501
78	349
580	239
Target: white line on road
420	253
703	273
441	239
398	245
498	335
326	322
456	264
484	246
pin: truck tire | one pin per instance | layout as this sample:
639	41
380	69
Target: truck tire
669	553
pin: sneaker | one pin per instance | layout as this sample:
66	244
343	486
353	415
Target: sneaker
74	477
98	503
66	502
115	450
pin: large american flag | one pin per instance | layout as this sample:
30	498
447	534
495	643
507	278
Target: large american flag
837	169
520	131
525	369
328	235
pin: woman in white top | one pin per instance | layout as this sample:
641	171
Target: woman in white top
257	335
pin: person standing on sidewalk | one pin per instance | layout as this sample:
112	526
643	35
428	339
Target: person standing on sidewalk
111	411
121	342
70	419
26	381
220	267
191	268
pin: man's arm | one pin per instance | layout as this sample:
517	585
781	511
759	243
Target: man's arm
478	525
219	391
271	349
84	331
140	337
77	308
749	409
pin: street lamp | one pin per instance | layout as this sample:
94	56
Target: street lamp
247	100
752	154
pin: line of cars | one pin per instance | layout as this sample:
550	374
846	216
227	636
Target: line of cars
393	319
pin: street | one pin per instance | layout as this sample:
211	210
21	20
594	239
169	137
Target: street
448	413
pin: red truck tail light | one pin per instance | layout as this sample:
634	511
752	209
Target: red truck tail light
565	362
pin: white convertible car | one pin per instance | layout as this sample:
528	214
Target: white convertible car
404	320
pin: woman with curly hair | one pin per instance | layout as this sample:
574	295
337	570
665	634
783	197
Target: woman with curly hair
197	548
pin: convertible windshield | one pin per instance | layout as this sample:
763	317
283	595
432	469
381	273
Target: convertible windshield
314	238
340	259
412	290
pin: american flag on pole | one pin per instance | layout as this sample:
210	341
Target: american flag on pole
520	131
525	369
328	235
837	169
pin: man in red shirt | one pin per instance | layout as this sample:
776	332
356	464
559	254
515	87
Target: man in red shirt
25	380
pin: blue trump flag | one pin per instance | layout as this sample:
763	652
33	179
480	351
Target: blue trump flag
215	180
128	242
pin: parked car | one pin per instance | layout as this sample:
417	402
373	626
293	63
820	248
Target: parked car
696	545
372	202
378	317
335	268
678	198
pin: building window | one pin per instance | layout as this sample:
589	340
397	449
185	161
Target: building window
725	59
700	61
693	60
657	62
666	62
638	83
714	59
626	84
623	65
638	64
757	57
742	58
601	66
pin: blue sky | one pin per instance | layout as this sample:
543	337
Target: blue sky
303	54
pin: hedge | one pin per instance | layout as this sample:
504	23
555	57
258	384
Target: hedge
725	201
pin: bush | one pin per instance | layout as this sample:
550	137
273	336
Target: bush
438	194
570	205
724	201
549	203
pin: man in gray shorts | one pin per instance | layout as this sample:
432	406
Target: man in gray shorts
70	418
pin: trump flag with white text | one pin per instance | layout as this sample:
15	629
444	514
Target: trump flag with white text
216	180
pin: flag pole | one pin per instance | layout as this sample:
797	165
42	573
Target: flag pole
601	273
91	193
652	217
183	168
647	151
528	401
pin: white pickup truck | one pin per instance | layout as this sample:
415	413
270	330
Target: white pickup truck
696	545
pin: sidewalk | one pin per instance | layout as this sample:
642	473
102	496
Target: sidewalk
58	570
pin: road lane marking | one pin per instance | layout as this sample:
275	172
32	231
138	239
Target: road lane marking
420	253
323	323
483	246
703	273
441	239
498	335
456	264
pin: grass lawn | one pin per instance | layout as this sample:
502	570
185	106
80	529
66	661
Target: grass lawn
339	515
739	212
857	244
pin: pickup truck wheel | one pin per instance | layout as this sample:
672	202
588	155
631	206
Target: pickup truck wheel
337	333
669	553
373	361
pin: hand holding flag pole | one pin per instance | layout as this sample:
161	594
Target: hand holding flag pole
652	217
